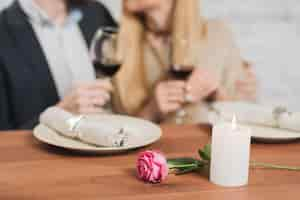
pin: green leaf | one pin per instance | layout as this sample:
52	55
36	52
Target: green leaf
181	161
205	153
188	170
184	163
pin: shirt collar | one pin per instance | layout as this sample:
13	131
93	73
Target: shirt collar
39	16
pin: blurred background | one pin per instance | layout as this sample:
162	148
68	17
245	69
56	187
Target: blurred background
268	33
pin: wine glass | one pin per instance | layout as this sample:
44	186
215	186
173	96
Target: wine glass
181	72
103	54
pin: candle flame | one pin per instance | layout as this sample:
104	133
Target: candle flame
234	122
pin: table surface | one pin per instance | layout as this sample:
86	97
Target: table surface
31	170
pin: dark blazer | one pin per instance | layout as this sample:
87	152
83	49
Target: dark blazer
27	87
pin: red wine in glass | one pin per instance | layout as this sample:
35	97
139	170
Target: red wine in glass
108	70
181	72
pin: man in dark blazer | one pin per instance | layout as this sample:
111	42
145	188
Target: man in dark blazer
27	86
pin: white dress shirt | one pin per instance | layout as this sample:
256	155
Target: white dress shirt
63	45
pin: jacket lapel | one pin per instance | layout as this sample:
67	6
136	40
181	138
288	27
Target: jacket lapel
30	48
86	27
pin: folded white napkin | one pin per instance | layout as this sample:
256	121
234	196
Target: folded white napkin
83	129
255	114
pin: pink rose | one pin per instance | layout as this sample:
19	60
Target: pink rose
152	167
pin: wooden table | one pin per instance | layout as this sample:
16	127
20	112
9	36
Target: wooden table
31	170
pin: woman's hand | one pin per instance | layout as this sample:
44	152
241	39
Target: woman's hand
169	96
201	84
87	98
246	88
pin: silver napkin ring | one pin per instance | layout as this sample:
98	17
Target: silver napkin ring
73	122
123	137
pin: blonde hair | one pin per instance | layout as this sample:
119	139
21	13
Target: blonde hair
132	90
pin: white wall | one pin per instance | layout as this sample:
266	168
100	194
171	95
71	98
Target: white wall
268	32
4	3
114	5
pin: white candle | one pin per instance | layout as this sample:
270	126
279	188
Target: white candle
230	155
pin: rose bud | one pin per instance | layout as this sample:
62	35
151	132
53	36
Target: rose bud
152	167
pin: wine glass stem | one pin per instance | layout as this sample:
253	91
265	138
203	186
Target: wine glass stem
180	114
108	106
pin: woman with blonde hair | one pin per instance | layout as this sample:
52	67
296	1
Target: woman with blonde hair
157	34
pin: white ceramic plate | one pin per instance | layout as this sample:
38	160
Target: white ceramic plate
273	135
143	133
